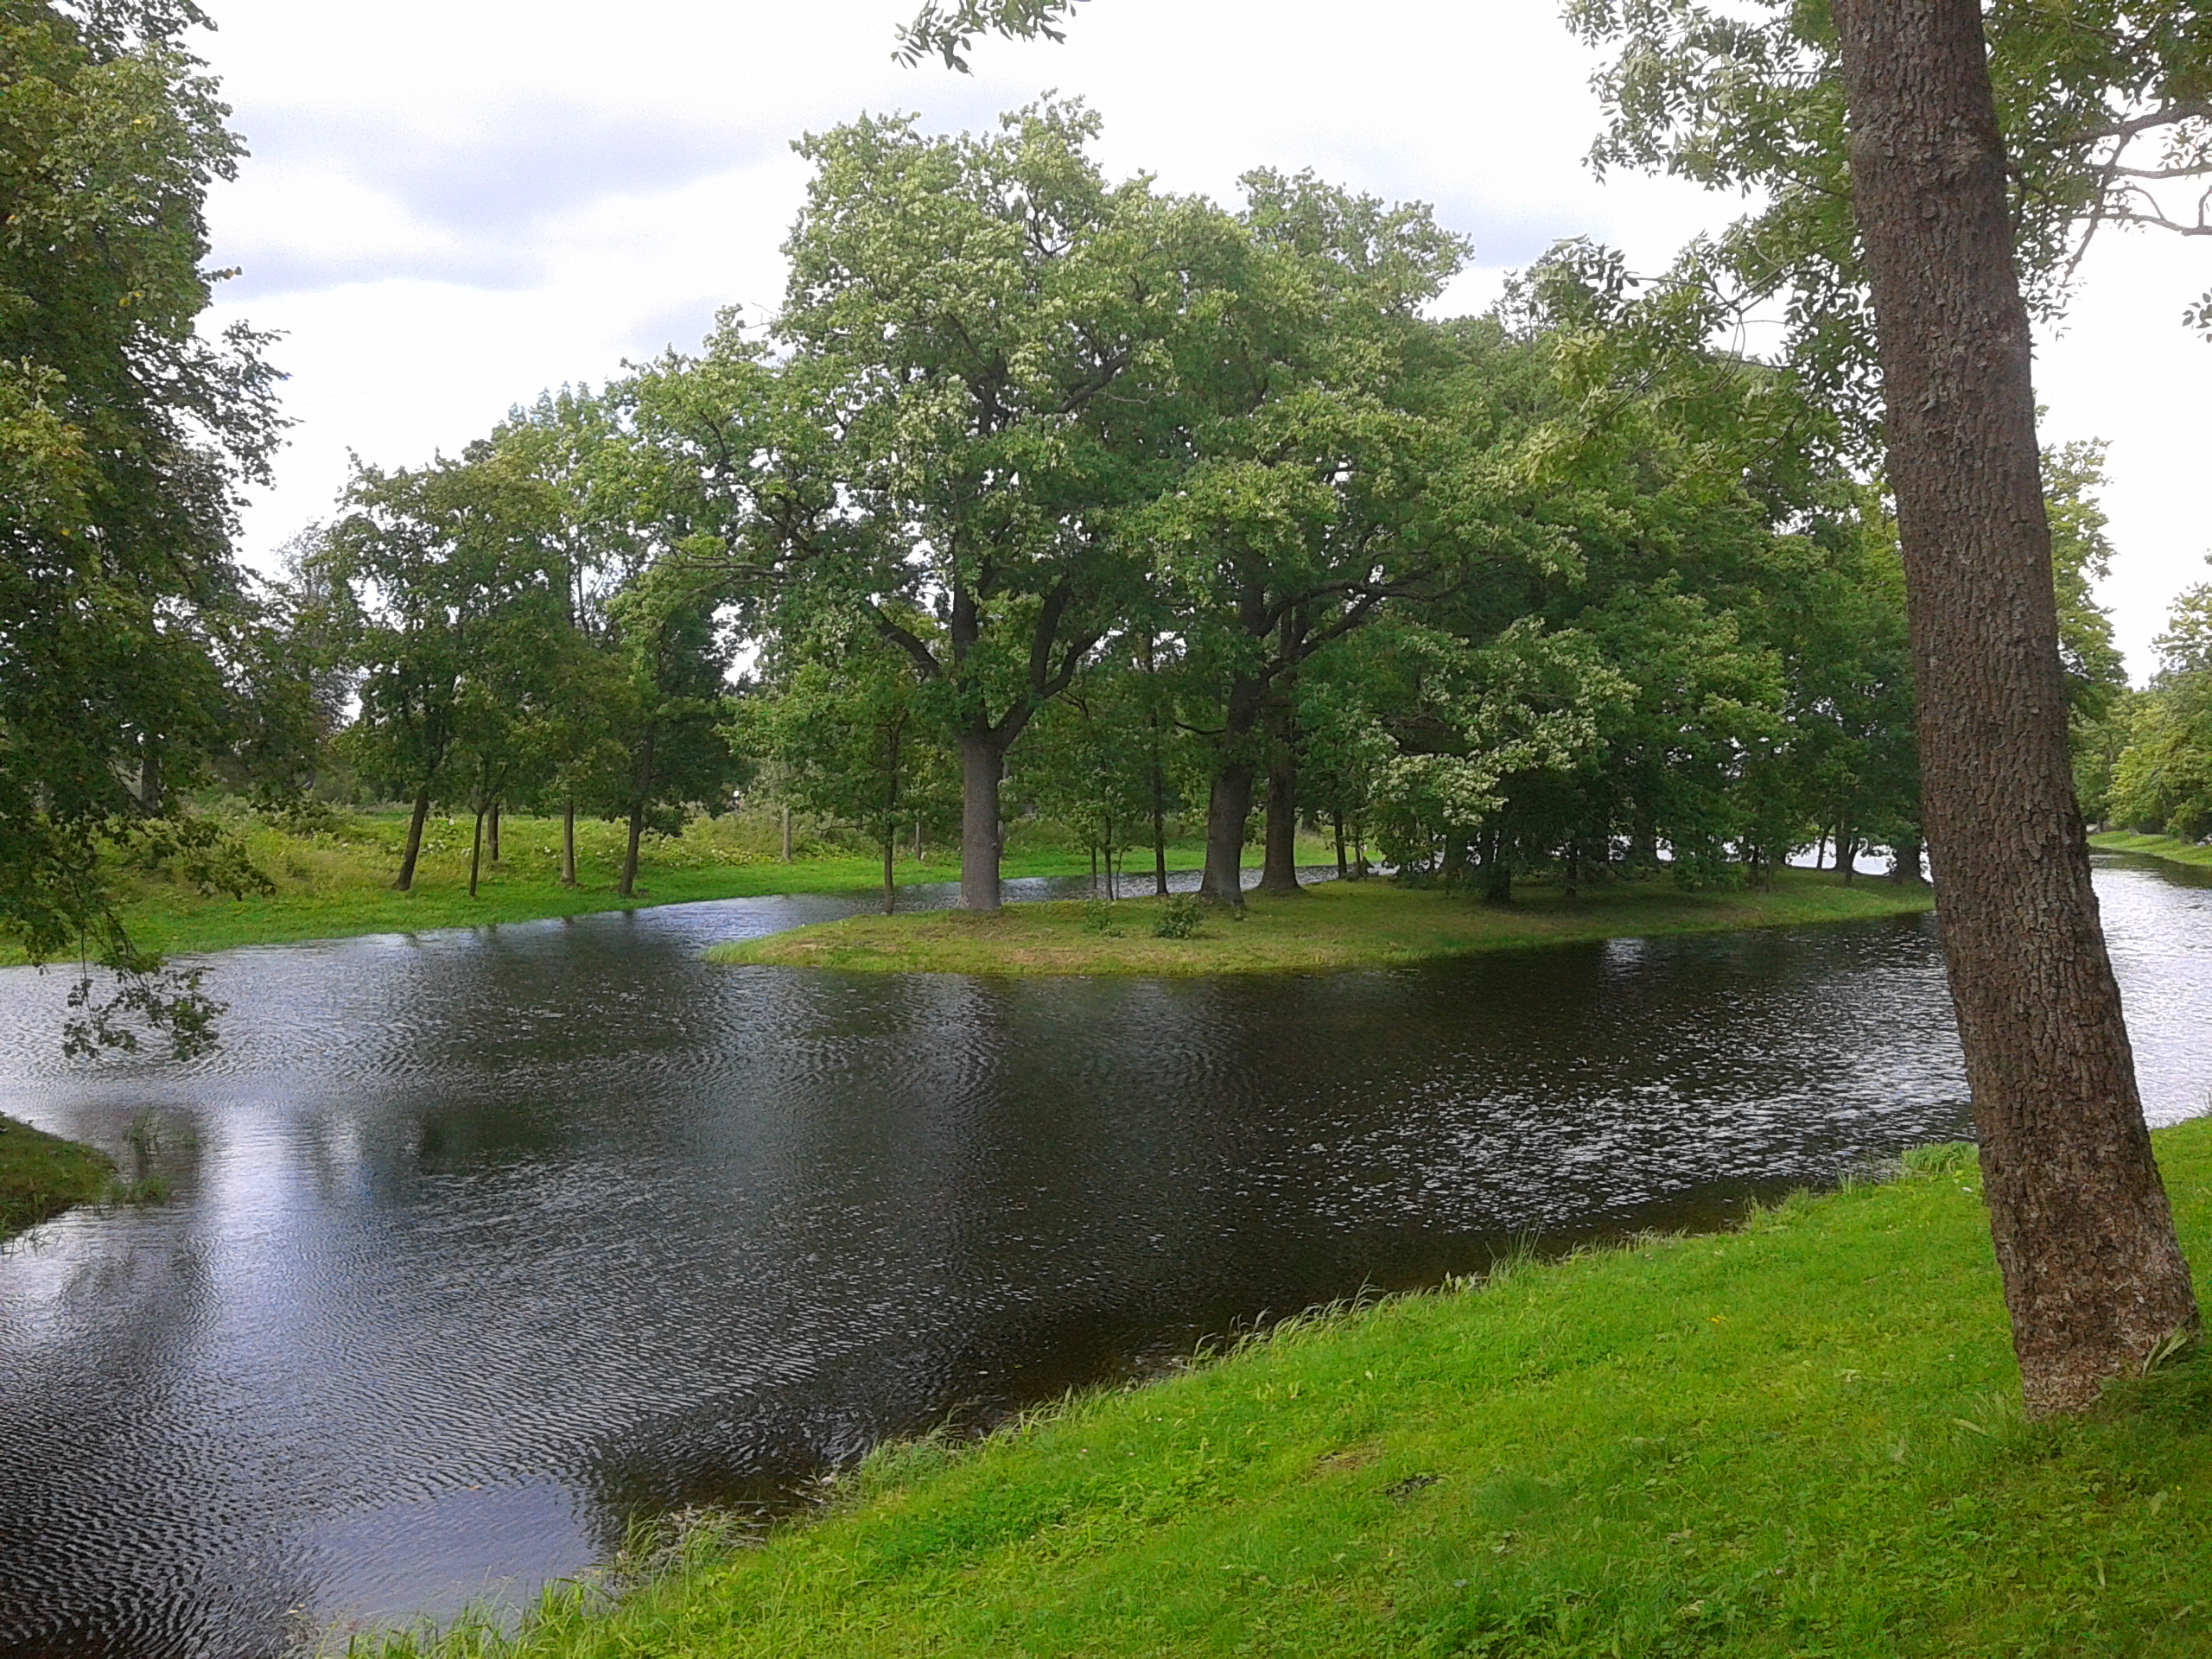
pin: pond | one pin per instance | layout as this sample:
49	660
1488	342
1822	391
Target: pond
484	1244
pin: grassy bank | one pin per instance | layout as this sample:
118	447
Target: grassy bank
1335	925
337	883
42	1175
1797	1439
2172	849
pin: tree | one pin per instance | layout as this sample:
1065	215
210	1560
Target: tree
670	701
976	329
439	580
848	726
125	438
1908	173
1312	494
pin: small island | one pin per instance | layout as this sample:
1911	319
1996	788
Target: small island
1332	926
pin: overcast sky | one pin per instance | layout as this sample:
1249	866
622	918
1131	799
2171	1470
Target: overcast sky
454	204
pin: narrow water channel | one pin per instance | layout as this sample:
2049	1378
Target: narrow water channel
483	1244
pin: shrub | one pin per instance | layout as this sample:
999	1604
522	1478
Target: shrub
1179	919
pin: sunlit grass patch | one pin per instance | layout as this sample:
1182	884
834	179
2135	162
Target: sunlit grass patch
2172	849
1799	1437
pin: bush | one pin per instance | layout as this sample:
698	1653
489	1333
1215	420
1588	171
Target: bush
1098	918
1179	919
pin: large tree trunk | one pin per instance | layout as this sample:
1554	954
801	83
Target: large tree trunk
1904	862
1228	808
1229	801
1847	852
1279	869
568	842
406	883
2093	1277
982	765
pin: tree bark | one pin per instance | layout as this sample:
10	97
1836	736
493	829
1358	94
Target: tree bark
406	883
629	887
1229	800
982	766
476	852
2094	1276
1905	864
568	842
149	777
641	793
1343	870
1847	852
1229	807
1279	868
890	883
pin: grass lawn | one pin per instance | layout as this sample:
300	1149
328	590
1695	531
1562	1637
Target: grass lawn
1798	1438
1334	924
338	883
2172	849
42	1175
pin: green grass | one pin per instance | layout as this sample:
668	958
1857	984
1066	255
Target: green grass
2172	849
42	1174
1801	1438
338	883
1332	926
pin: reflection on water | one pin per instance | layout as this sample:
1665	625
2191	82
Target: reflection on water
486	1242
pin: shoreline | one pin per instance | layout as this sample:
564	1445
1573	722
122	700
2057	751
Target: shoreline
2170	850
1332	926
42	1175
1801	1434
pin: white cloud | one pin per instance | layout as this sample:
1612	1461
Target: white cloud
454	204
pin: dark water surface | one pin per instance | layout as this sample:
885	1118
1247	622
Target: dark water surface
486	1242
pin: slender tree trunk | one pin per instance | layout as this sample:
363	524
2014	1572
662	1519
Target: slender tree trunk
641	793
1846	851
1821	852
918	838
1343	870
492	833
406	883
2093	1277
787	832
629	887
476	852
568	842
983	767
149	777
890	883
1158	830
1359	848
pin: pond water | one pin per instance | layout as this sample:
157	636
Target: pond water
485	1243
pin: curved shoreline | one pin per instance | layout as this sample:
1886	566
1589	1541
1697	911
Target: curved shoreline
2169	850
1330	926
42	1174
1604	1448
